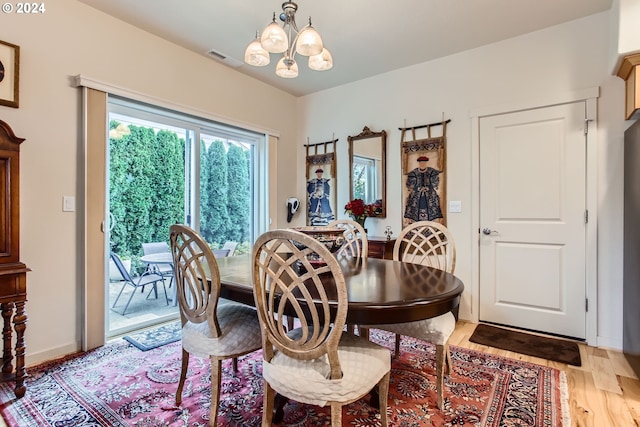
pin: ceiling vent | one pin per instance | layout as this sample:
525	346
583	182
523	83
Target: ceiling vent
219	56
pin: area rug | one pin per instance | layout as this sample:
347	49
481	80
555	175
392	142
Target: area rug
156	337
118	385
558	350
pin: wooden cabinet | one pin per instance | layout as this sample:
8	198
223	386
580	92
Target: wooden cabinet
629	71
380	247
13	282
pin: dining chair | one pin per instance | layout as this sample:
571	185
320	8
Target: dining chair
356	244
316	363
147	278
209	329
427	243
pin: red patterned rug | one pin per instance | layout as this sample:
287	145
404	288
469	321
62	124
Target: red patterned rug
119	385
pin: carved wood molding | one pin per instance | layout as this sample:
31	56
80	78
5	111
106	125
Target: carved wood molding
629	72
8	139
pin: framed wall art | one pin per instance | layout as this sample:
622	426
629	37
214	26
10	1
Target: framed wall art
9	74
321	183
424	175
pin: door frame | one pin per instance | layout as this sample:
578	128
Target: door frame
589	96
96	252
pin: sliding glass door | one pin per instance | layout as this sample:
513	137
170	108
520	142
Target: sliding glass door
166	168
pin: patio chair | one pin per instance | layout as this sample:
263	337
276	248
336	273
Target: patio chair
231	246
165	270
147	278
221	253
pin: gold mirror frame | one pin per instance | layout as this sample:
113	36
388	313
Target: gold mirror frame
365	140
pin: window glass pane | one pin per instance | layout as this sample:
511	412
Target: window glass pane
146	181
364	179
226	193
167	168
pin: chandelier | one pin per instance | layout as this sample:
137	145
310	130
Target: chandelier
288	40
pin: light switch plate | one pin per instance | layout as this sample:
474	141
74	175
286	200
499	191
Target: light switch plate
68	204
455	206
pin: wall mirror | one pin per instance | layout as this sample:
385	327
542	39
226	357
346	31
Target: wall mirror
367	167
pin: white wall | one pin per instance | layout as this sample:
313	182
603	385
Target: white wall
530	68
628	34
70	39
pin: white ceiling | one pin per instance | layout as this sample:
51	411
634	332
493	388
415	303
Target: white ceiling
365	37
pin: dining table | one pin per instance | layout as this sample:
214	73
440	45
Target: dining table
380	291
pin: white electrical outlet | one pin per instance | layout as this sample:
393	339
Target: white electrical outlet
455	206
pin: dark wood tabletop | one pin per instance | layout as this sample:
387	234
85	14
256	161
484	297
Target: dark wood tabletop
380	290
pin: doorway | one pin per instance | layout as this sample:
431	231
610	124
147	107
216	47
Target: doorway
533	219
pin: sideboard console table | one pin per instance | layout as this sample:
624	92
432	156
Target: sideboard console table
381	247
13	282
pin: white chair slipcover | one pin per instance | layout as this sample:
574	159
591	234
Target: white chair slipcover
317	363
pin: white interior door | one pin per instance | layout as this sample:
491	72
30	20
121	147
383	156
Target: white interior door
532	219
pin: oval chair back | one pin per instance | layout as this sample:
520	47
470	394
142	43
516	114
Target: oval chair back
356	244
427	243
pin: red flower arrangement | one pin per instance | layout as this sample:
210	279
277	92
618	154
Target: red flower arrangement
360	211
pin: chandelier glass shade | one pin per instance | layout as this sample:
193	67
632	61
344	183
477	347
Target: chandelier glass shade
288	40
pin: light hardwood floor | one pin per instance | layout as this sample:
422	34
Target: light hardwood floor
603	392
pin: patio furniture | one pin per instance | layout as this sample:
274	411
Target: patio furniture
165	270
231	246
147	278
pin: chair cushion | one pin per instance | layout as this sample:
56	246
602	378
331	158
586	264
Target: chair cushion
363	364
436	330
240	333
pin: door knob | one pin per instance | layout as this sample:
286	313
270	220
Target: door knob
488	231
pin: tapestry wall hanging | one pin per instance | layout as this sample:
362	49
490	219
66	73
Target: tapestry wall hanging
321	183
424	176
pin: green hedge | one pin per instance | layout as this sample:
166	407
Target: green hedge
147	190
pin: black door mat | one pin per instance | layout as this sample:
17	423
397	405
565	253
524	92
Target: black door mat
555	349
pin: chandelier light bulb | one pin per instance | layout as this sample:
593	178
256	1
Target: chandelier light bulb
273	38
287	68
309	41
321	62
256	55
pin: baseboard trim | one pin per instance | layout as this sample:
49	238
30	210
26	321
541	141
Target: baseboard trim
32	359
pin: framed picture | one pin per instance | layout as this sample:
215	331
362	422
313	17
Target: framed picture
9	74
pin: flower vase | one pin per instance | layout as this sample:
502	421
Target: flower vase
361	220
